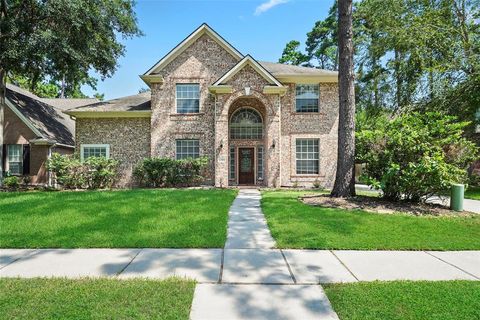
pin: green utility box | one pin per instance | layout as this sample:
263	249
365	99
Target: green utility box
456	197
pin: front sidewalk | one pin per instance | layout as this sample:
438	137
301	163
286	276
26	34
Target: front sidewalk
248	279
246	266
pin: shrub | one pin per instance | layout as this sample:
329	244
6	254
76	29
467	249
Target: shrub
415	155
11	182
166	172
93	173
101	172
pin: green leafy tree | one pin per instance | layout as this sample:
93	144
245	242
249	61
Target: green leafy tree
292	55
415	155
62	39
322	41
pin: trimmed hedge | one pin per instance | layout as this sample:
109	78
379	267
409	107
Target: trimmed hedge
165	172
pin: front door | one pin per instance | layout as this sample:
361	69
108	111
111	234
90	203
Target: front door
246	161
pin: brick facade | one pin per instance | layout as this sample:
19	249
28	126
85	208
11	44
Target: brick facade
129	140
17	132
204	62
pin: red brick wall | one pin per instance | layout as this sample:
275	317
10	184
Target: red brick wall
16	132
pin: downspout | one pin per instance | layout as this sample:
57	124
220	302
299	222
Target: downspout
215	140
280	140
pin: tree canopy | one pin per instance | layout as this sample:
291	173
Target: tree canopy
409	55
62	40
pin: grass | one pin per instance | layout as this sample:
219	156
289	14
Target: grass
404	300
95	299
472	193
115	219
297	225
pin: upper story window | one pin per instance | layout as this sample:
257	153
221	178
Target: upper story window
94	150
246	124
306	98
188	97
187	148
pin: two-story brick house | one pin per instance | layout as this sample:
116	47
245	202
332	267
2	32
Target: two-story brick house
260	123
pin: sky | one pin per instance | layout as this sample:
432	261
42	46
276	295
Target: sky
260	28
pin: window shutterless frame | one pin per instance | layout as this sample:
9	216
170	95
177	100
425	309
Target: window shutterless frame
307	98
307	156
94	150
187	98
187	148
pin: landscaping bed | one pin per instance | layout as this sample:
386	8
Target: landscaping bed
406	300
139	218
297	225
379	205
95	299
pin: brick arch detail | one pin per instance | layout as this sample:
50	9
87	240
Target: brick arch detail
239	94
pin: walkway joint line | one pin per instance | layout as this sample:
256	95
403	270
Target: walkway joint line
451	264
124	268
20	257
289	268
344	265
222	259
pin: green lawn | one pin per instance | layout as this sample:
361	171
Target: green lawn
473	193
115	219
449	300
297	225
95	299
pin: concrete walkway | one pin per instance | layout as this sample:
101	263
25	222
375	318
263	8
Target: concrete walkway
248	279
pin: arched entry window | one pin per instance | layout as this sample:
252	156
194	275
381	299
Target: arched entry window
246	124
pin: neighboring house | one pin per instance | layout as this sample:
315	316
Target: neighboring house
260	123
33	130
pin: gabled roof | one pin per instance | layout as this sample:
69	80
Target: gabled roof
187	42
45	121
131	106
248	61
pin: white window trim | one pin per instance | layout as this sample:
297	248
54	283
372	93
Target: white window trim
176	150
318	160
199	97
106	146
7	164
318	99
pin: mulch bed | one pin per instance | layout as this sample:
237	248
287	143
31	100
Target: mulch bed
378	205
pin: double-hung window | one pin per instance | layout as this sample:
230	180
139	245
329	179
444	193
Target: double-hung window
15	159
187	148
94	150
188	97
306	97
307	156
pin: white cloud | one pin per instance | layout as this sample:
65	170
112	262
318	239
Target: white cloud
268	5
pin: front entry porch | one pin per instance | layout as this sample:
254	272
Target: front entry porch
246	131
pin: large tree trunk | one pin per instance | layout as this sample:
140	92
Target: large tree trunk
344	181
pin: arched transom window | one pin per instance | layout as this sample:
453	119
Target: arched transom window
246	124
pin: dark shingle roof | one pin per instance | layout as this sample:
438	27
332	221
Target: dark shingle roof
288	69
138	102
50	122
66	104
